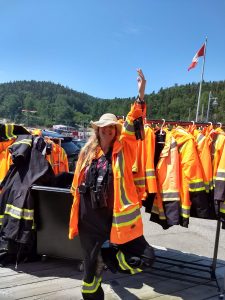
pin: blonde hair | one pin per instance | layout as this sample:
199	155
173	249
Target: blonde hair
88	152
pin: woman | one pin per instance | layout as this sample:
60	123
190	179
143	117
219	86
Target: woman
106	205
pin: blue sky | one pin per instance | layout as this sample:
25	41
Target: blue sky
95	46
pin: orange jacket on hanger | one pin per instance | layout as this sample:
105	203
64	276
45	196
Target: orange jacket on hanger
57	158
150	176
204	153
217	147
5	158
168	180
193	190
144	170
219	191
218	154
138	170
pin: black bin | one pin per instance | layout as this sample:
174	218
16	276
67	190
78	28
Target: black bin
52	207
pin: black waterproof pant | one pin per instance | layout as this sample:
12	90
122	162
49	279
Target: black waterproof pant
94	230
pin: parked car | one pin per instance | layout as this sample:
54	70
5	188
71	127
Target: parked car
79	143
67	144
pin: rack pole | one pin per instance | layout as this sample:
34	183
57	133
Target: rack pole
216	245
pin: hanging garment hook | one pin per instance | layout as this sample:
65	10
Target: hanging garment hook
210	123
161	129
220	124
193	122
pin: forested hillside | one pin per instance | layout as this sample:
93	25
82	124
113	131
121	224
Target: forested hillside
36	103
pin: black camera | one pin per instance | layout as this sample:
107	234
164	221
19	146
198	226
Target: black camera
82	189
139	129
98	197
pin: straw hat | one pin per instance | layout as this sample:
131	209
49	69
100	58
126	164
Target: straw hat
106	120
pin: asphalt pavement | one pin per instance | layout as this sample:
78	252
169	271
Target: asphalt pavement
198	238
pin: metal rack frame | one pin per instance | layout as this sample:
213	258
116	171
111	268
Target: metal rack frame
211	269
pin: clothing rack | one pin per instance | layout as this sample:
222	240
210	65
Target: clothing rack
180	263
211	269
163	122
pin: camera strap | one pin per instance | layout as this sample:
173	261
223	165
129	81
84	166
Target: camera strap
103	166
99	171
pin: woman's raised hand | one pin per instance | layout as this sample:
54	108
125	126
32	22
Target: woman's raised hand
141	84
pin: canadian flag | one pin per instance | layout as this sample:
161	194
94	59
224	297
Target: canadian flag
201	52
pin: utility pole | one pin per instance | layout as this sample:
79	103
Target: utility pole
209	102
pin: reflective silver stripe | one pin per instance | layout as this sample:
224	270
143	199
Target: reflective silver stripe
91	287
194	186
219	179
139	182
124	265
18	213
124	199
220	175
173	145
126	218
170	196
150	173
129	128
200	138
185	212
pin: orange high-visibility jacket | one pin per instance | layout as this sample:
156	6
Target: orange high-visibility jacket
192	190
218	154
217	147
57	158
143	169
127	222
5	158
219	180
204	153
150	176
138	170
168	179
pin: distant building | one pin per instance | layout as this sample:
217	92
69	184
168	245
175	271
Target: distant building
66	130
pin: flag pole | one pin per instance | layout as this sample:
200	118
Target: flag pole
200	87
